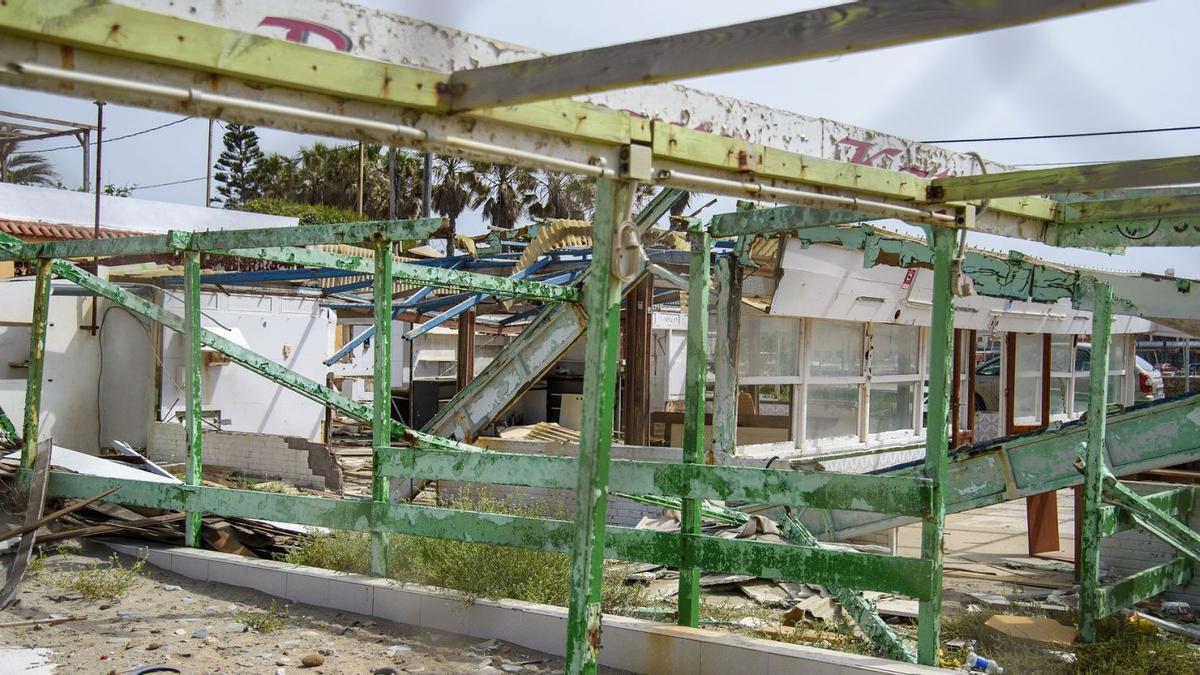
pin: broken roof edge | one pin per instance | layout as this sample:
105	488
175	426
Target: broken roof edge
394	38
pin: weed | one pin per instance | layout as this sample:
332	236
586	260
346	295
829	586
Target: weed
272	619
37	565
97	582
478	570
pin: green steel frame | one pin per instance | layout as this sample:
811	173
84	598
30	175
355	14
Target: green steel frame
1142	219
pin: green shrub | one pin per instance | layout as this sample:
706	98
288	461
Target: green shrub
478	570
272	619
96	582
309	214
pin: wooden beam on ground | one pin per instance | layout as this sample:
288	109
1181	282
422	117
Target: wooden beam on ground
1131	174
35	502
818	33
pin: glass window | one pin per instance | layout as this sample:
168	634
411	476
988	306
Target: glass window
832	411
1061	364
891	407
836	349
1027	385
769	346
1116	353
895	350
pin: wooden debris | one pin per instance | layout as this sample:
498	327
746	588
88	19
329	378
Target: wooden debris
48	621
34	506
1038	629
30	527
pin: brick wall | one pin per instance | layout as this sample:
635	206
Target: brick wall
1136	549
264	456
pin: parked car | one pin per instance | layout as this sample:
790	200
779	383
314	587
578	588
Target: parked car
987	380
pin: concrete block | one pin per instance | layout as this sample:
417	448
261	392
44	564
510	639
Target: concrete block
351	596
492	620
309	589
394	603
444	612
189	565
717	658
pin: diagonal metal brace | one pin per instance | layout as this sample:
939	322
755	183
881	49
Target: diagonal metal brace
1155	520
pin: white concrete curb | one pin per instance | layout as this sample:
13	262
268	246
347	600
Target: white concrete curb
635	645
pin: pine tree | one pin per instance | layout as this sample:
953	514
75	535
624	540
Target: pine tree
235	166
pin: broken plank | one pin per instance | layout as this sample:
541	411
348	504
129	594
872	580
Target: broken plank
30	527
34	504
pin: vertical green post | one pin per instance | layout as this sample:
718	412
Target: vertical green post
937	440
1089	563
191	385
602	304
381	380
693	416
37	361
725	394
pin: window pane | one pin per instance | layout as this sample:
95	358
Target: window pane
1116	385
832	411
1116	353
1060	353
1058	396
1027	389
891	407
895	350
837	348
769	346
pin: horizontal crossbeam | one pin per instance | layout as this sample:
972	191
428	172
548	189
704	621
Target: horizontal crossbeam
1177	503
824	489
1142	585
782	219
1130	174
1148	515
441	277
218	240
1135	208
887	574
828	31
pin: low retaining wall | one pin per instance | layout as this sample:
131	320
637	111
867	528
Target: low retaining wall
629	644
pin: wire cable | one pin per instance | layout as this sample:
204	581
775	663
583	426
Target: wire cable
107	140
1083	134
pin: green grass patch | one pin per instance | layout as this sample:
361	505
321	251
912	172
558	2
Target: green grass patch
1120	647
478	570
99	581
273	619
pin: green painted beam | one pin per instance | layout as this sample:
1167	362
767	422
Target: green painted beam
1130	208
602	291
192	401
695	383
810	34
218	240
416	274
783	219
1153	519
1165	231
1145	584
1176	503
822	489
868	571
1129	174
859	609
1089	562
381	393
941	356
35	376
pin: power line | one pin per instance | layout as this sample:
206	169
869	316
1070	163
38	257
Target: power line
107	140
174	182
1086	134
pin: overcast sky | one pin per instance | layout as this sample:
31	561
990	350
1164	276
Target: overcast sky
1131	67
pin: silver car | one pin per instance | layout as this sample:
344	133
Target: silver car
987	380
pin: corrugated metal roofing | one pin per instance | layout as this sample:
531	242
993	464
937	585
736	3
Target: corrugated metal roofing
28	229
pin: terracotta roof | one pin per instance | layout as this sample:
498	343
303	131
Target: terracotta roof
32	229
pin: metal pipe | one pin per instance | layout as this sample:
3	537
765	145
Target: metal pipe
802	197
93	328
400	131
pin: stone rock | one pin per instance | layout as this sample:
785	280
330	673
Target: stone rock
172	587
511	668
326	651
398	649
384	670
281	671
180	631
154	645
200	633
129	614
235	627
312	660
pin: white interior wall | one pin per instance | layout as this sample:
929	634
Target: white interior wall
292	331
72	394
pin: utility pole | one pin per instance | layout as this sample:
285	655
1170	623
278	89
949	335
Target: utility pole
208	168
362	161
93	328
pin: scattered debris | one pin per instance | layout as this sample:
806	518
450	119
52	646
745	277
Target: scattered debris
1038	629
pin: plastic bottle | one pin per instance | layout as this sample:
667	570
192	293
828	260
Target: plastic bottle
977	662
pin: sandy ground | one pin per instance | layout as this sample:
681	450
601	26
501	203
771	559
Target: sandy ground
190	625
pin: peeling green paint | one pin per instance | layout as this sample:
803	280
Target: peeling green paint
1177	503
37	361
381	394
1145	584
194	465
1089	563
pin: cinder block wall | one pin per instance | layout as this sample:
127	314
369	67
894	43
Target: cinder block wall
1136	549
254	455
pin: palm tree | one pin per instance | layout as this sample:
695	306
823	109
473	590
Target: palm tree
505	193
25	168
453	187
563	195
